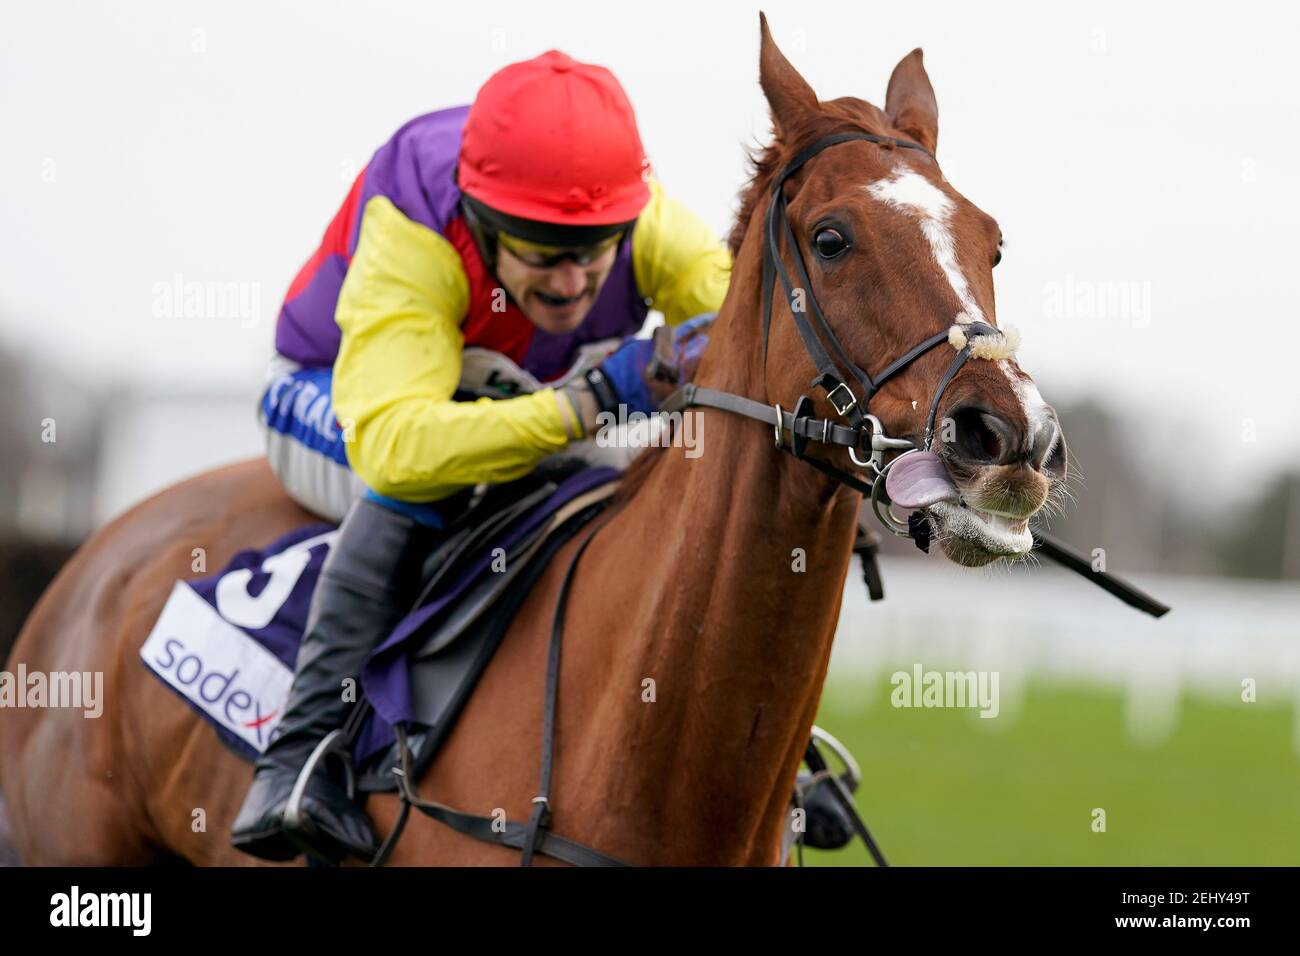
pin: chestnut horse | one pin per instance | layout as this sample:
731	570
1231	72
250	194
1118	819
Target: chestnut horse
719	578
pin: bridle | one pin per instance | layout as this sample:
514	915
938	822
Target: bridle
863	435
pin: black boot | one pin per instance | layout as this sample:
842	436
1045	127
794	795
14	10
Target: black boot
365	587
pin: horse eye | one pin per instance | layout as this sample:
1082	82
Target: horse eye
829	243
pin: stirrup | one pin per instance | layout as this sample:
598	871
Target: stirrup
852	775
842	786
334	744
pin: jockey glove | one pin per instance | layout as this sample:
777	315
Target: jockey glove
627	377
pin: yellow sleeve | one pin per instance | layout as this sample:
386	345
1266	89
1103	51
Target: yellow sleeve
680	265
399	361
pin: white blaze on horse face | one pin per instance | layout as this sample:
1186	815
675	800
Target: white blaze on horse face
915	194
1036	410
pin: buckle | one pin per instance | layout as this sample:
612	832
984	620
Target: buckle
841	409
868	440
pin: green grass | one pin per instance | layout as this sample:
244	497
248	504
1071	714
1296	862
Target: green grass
939	789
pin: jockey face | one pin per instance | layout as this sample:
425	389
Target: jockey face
555	297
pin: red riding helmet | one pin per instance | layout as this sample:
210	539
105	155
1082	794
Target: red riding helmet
554	141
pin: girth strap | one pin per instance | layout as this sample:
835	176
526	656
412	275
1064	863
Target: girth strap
490	829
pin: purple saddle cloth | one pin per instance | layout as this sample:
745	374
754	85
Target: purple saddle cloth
243	633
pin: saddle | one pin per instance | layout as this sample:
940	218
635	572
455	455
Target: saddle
454	630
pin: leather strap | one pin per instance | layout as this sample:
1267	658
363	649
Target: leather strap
777	228
976	329
812	429
828	376
487	829
769	277
541	814
866	545
910	356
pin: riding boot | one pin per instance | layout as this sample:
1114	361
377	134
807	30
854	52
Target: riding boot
366	585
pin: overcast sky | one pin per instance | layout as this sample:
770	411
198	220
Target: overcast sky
1143	164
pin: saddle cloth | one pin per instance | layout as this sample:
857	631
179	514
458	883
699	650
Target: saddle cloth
227	643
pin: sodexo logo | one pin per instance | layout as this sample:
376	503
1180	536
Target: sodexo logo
217	667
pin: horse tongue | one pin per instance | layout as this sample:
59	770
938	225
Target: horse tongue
918	480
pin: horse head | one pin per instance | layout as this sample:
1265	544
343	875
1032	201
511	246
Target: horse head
893	256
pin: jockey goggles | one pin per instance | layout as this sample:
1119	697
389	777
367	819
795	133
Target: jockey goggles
540	256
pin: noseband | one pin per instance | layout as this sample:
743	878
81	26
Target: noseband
862	434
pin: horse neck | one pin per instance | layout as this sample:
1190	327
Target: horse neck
746	551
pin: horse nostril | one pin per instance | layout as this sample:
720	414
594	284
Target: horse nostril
1047	449
982	436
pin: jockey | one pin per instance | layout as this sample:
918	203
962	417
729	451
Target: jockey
469	312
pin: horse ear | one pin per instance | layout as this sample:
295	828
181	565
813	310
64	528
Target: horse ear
788	94
910	101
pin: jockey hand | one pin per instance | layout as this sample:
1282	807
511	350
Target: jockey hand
679	352
641	373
